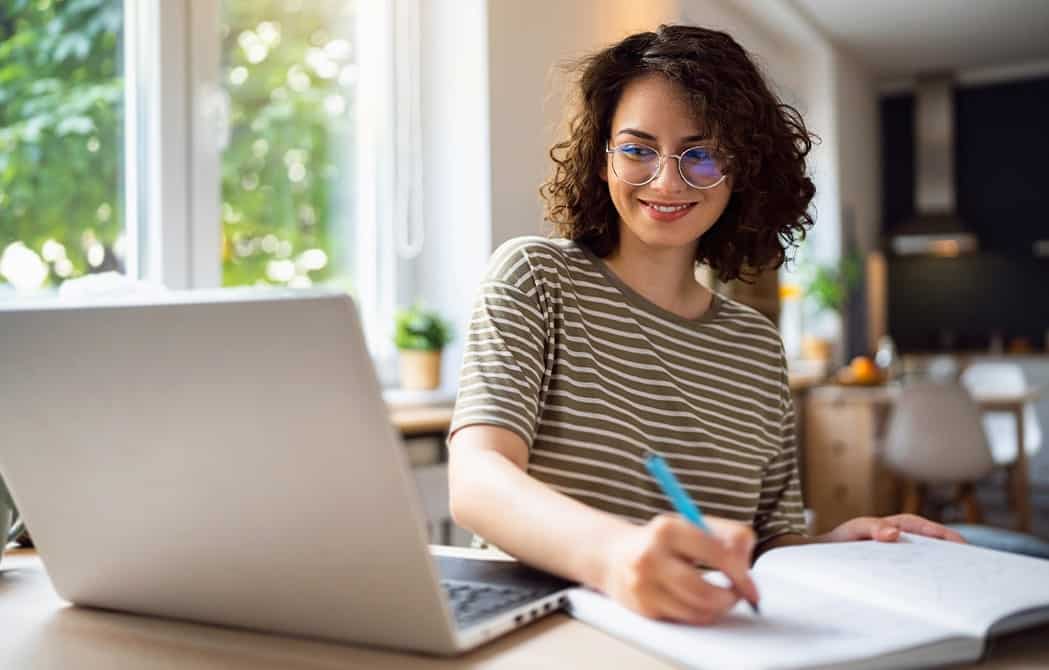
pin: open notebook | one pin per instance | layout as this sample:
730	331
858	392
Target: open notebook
913	603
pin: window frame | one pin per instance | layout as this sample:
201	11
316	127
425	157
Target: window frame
175	122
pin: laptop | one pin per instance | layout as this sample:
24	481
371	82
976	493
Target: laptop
226	457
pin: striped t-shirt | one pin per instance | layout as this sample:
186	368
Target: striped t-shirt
593	377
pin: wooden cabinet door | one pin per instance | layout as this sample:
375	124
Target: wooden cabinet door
840	462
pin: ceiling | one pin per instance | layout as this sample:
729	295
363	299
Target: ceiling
898	38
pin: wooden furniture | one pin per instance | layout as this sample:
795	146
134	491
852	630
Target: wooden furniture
843	476
424	428
42	632
422	421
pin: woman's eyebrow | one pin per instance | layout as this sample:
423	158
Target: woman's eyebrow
652	138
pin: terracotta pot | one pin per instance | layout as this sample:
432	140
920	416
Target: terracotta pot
420	370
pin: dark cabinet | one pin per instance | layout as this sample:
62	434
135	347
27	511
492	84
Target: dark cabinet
1002	167
1001	162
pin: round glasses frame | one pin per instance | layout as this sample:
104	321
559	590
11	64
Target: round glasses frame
659	168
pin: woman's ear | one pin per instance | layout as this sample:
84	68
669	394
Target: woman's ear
603	172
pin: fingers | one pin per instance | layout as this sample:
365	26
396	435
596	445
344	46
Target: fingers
678	592
728	548
912	523
881	530
670	607
654	580
707	601
888	529
738	541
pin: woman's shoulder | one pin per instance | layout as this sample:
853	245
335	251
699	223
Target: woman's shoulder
533	254
741	321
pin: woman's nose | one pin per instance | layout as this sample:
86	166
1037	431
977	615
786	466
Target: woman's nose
669	178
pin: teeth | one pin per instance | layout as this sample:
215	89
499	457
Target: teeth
668	209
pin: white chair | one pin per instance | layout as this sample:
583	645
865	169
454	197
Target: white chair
942	368
935	437
1004	378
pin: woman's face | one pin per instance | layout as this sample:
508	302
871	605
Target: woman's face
653	111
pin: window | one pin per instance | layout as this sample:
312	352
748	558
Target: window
61	141
258	140
289	74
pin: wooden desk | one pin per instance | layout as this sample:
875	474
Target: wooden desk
422	421
39	631
843	476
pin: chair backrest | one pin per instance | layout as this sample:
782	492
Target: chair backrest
994	378
942	368
935	435
1005	378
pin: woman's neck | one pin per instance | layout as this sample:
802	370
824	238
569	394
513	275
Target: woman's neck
663	276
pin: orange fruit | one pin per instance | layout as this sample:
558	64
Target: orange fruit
863	369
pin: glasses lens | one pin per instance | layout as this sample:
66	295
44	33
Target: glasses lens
700	167
635	163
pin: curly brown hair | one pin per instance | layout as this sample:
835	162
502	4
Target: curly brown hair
767	213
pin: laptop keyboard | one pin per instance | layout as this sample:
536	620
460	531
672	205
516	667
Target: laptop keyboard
474	601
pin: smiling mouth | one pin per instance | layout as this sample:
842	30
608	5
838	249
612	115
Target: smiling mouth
667	207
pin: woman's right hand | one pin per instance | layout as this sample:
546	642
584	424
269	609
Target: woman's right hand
652	568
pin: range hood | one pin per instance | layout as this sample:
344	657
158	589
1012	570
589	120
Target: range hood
935	228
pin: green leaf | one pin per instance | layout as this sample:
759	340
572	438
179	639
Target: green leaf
420	329
76	125
73	44
33	128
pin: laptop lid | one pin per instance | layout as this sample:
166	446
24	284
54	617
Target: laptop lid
222	457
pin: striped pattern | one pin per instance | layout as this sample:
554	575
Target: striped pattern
592	376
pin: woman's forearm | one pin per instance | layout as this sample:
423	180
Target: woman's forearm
492	496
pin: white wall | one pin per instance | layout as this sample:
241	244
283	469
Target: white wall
456	162
776	55
858	148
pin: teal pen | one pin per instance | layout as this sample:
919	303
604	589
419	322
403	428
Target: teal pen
679	499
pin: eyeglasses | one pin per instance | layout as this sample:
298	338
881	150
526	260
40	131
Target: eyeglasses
638	164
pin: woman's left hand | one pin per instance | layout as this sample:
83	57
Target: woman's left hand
888	529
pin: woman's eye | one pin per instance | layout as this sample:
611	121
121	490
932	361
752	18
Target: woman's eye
699	154
636	151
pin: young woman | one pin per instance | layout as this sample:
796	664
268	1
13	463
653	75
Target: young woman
590	351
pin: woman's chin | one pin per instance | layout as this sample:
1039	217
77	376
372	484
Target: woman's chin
662	236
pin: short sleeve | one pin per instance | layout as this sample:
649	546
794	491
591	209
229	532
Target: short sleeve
504	360
780	509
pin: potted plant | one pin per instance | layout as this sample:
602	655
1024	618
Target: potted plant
827	288
420	335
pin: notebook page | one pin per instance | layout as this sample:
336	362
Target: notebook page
962	586
797	628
